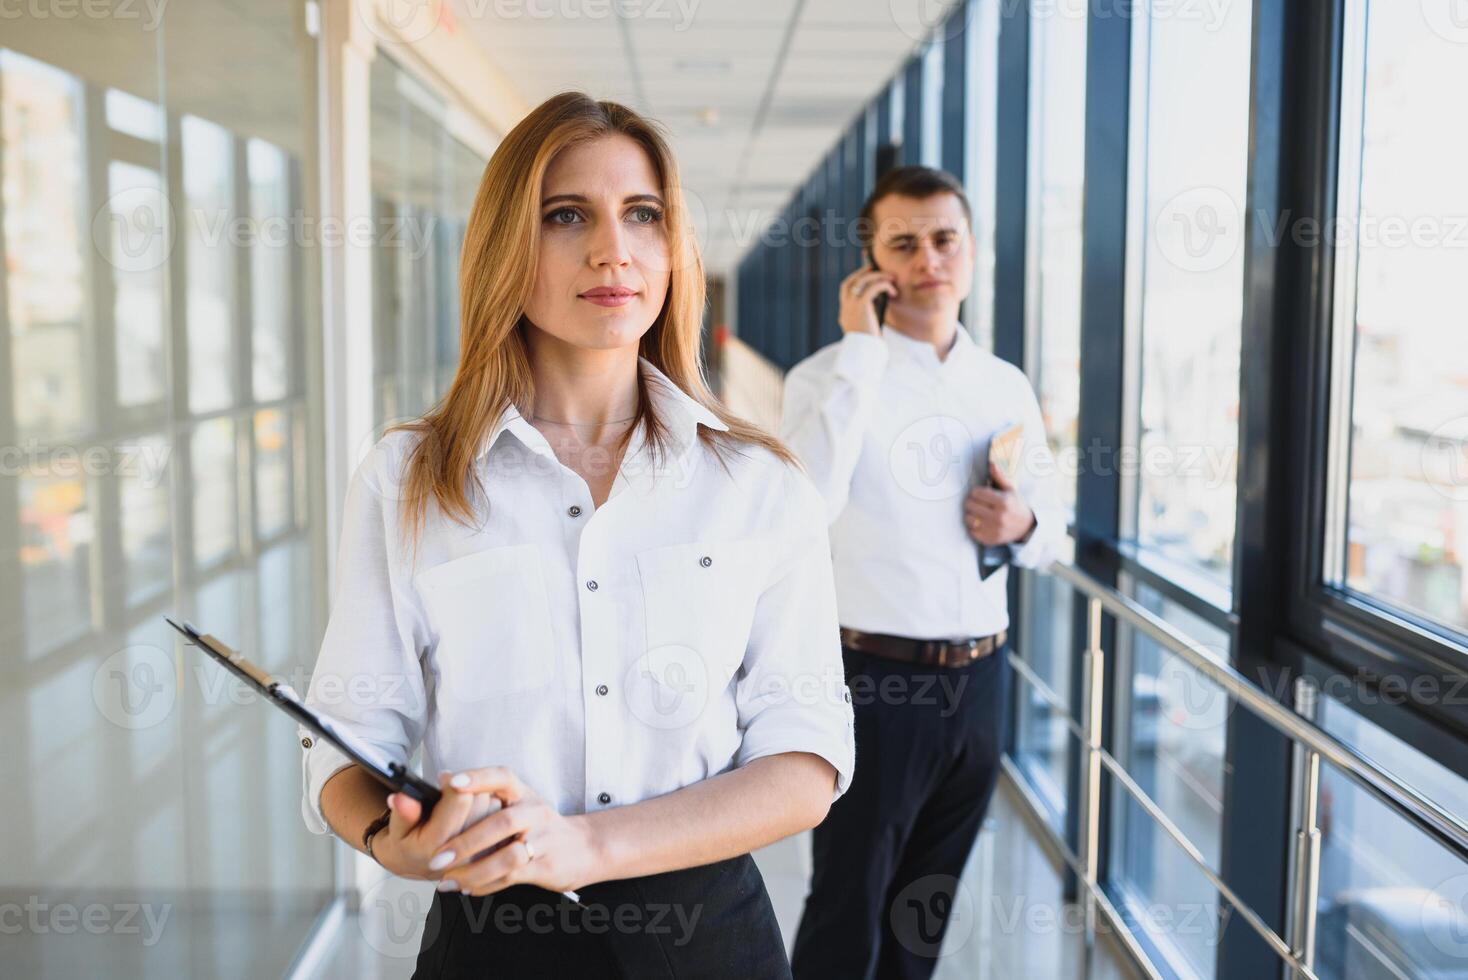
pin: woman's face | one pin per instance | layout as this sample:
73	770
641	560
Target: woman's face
604	255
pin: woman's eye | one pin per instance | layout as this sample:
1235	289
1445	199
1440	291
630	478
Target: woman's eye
555	216
647	215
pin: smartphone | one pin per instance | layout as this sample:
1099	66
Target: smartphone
880	303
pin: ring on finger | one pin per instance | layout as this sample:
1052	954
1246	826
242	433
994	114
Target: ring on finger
529	850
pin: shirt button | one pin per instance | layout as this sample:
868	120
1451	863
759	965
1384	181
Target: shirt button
591	585
601	689
847	696
574	511
705	561
604	798
306	743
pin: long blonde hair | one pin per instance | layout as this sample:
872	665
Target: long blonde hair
497	270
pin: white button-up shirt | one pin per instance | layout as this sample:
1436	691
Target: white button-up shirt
893	438
605	655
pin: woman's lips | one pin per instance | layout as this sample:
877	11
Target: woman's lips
609	296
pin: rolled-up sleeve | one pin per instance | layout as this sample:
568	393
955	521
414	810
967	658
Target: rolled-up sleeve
791	694
369	677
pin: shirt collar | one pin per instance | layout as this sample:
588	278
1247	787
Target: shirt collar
923	350
679	411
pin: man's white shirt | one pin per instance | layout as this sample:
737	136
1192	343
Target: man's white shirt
892	436
605	655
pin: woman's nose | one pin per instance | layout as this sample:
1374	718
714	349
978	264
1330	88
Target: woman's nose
609	247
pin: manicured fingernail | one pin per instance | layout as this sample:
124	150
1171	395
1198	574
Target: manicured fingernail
460	781
441	860
448	885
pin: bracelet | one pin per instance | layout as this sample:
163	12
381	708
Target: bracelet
372	829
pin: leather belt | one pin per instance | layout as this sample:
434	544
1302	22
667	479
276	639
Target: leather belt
930	653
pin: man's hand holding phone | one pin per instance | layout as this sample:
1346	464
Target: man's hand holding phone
858	313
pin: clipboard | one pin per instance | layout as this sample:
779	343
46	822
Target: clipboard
389	772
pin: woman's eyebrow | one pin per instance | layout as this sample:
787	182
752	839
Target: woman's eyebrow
583	199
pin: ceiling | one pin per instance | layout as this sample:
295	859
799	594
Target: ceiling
752	92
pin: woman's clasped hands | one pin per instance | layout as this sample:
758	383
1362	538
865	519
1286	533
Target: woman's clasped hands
488	832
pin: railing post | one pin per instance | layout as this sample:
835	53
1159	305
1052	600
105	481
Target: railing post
1089	822
1305	788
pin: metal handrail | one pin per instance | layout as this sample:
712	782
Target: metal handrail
1447	828
1311	746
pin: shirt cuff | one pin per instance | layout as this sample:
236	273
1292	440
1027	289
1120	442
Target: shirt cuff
1029	554
802	728
319	762
861	358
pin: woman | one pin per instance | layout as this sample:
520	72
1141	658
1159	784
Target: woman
591	593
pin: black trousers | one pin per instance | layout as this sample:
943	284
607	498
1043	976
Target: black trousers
888	857
713	922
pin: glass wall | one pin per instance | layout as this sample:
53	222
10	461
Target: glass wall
1190	132
1402	260
158	230
1393	902
423	185
1056	186
1171	735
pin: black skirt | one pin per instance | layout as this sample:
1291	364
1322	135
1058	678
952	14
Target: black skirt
713	922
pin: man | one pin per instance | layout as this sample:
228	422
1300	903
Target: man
893	423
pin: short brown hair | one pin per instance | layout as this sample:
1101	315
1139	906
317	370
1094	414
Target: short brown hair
916	182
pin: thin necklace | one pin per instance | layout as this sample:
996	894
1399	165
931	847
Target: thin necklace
542	418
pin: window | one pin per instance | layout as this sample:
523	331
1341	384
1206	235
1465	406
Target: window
1399	532
1188	166
1057	165
1171	730
1393	902
423	185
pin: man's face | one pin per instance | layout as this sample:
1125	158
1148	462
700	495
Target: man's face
928	247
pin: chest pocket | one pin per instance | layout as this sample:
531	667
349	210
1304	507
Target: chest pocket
491	613
701	597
